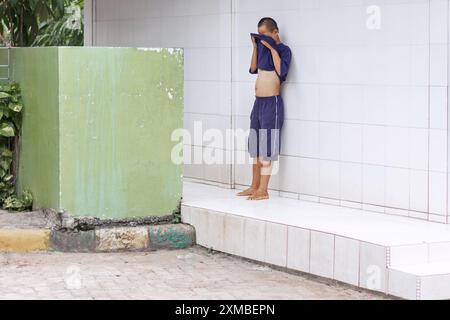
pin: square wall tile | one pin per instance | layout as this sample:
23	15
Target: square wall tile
234	235
308	102
322	254
438	150
351	145
374	185
420	67
435	287
329	179
346	260
374	146
397	187
418	109
397	147
254	239
403	285
216	228
352	101
220	173
330	140
291	137
399	101
276	244
309	176
438	64
308	139
351	181
373	267
185	214
418	148
329	101
374	107
418	190
438	193
438	18
298	249
289	174
199	219
438	108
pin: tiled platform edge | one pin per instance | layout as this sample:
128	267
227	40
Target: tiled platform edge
167	236
415	271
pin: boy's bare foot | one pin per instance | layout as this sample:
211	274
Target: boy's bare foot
247	192
259	195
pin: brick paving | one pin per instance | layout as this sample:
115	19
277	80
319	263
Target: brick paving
192	273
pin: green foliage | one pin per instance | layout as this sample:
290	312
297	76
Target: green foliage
27	22
14	203
19	19
11	107
66	31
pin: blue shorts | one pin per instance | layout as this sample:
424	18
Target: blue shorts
266	121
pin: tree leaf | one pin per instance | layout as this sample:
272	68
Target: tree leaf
7	130
5	163
6	153
4	95
16	107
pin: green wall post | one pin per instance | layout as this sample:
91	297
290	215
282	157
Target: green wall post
96	137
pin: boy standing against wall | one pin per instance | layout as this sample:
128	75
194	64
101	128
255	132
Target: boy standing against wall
270	60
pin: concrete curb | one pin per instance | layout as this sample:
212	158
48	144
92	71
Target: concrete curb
141	238
24	240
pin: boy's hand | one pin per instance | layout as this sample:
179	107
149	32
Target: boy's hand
254	42
265	43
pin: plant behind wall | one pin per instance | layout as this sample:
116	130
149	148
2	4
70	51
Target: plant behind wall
25	23
11	108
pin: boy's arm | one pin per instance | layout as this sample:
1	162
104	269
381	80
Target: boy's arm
281	62
253	65
276	60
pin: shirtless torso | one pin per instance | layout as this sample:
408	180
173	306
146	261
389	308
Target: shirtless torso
267	84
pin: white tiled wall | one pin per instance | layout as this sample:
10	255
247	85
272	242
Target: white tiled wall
203	29
366	110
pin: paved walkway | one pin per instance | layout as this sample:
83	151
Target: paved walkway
192	273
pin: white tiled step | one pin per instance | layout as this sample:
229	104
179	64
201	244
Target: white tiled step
349	245
429	281
419	253
324	254
352	223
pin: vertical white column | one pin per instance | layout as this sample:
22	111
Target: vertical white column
438	102
89	22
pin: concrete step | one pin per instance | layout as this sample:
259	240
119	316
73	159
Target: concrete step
24	231
25	220
415	254
429	281
350	245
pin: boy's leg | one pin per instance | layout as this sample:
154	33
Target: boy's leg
265	173
256	176
253	146
271	124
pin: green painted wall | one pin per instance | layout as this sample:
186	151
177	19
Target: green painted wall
37	72
3	62
114	110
